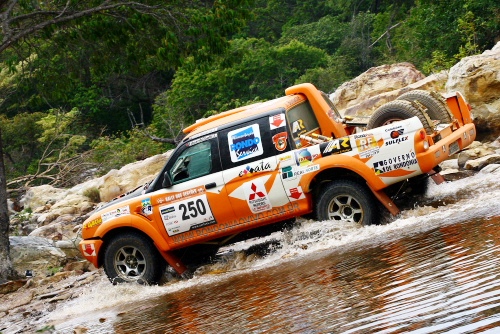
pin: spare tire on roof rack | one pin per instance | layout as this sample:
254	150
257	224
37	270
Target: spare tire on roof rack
436	108
398	110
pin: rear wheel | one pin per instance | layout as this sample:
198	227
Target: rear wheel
435	108
398	110
132	257
348	201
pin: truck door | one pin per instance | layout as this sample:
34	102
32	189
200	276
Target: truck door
302	159
250	167
196	200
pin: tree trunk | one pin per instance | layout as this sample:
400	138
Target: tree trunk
6	270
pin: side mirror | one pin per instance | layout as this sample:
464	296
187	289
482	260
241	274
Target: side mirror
167	181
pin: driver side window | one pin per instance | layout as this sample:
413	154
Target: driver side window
194	162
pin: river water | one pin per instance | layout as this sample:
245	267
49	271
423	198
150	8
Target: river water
435	269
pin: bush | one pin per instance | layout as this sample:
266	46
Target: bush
116	151
93	194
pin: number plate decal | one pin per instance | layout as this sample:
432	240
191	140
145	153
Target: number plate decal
454	148
187	215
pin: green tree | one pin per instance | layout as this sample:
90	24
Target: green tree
21	145
444	31
133	145
252	70
116	55
271	17
356	44
327	33
168	31
6	270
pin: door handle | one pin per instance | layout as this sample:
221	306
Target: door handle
210	185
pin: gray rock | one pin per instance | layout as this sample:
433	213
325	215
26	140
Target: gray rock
480	163
36	254
478	78
491	169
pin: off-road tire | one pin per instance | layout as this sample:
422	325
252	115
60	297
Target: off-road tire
398	110
435	108
132	257
346	200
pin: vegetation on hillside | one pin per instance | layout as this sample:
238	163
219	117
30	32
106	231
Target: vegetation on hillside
92	91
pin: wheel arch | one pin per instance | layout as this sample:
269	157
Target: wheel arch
327	175
130	226
338	166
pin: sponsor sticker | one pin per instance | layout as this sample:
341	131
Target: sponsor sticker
285	158
93	223
202	139
179	195
123	211
258	167
336	146
291	173
257	196
280	141
304	157
367	145
295	193
396	162
396	137
186	215
277	121
147	207
298	127
245	143
88	249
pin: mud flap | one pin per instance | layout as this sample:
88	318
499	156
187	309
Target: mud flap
436	177
174	262
386	201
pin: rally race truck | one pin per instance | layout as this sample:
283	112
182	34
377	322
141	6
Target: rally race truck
256	166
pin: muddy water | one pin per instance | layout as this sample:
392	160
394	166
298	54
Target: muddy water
435	269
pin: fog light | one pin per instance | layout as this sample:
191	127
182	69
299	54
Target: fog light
426	145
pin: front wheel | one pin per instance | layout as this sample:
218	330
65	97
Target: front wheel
348	201
131	257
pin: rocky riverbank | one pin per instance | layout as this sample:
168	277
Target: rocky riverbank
45	234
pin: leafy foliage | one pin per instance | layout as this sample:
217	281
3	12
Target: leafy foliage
21	146
253	70
169	63
113	152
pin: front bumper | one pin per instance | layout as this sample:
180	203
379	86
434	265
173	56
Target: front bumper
90	250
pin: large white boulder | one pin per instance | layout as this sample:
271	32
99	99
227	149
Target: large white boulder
478	78
36	254
365	93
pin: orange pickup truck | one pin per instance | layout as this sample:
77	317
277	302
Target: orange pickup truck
265	163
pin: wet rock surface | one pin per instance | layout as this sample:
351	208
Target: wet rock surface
37	296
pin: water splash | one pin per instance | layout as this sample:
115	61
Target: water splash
474	197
